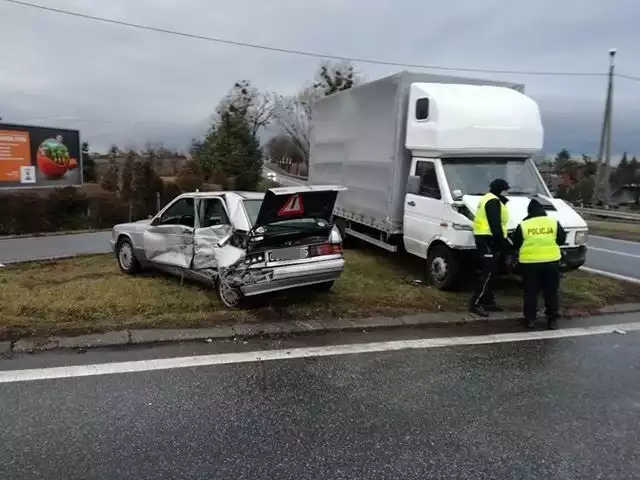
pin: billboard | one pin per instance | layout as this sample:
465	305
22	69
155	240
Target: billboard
39	156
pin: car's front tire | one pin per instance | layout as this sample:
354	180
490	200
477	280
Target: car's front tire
230	297
127	260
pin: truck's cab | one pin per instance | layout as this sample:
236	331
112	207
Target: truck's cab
461	137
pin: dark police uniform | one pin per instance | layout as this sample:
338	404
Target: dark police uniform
490	231
538	239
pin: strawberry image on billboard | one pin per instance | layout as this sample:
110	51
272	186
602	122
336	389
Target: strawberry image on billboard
33	156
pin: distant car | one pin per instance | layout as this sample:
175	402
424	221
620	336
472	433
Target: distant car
243	243
272	176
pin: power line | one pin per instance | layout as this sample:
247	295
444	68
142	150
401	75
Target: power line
628	77
297	52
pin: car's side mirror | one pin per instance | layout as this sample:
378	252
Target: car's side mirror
155	221
456	195
413	185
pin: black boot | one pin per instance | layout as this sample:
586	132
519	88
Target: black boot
553	324
492	308
478	310
530	324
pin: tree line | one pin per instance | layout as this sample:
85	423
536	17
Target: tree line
578	177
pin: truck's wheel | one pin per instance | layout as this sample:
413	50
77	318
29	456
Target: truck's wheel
443	267
127	260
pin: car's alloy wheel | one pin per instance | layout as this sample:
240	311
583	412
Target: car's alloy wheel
230	297
126	258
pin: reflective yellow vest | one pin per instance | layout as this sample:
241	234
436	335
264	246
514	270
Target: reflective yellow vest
539	245
481	223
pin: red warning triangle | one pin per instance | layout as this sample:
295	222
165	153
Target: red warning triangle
293	206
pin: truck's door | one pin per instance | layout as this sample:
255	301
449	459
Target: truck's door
423	210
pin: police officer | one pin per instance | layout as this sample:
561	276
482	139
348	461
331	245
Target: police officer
490	231
538	239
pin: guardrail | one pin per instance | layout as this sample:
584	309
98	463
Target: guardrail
615	214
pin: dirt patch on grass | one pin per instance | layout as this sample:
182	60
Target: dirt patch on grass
89	294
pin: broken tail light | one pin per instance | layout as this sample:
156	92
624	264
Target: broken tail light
325	249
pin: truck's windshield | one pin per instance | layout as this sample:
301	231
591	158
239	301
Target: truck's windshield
472	176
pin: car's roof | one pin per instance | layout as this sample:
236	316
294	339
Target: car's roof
241	194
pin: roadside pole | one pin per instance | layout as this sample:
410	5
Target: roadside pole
604	151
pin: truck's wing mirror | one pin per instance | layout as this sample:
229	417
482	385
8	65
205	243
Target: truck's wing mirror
413	185
456	195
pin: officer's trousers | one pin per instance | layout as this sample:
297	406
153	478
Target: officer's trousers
489	258
545	278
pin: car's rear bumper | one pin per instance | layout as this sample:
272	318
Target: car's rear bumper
294	276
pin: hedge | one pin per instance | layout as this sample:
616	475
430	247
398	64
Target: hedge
59	209
69	208
86	207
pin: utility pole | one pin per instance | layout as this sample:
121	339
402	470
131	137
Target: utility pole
604	152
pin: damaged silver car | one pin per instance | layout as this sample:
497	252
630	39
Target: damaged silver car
243	243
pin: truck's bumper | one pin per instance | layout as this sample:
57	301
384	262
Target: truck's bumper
573	258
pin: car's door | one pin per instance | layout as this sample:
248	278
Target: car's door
423	210
169	239
213	226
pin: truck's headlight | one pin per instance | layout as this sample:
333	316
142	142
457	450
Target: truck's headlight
459	226
581	237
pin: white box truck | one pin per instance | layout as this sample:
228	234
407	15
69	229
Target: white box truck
416	153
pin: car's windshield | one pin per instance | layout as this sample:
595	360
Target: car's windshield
253	208
472	176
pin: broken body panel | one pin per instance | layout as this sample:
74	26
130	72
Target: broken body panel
214	237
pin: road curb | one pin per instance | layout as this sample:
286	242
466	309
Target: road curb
53	234
276	329
53	259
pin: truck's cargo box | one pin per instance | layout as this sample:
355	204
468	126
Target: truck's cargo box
357	140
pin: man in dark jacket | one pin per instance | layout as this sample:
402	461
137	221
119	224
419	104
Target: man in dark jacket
538	239
490	231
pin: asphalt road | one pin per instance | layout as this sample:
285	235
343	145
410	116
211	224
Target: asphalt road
41	248
564	409
285	180
616	256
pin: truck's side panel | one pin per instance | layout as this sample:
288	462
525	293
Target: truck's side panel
358	140
355	143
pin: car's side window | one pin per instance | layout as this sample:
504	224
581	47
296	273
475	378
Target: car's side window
212	213
429	186
180	213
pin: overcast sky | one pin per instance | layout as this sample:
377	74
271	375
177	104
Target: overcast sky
126	86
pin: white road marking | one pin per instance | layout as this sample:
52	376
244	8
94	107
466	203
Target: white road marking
11	376
615	240
624	254
615	276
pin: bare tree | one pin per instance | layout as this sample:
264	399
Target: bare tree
279	149
293	117
333	77
247	101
